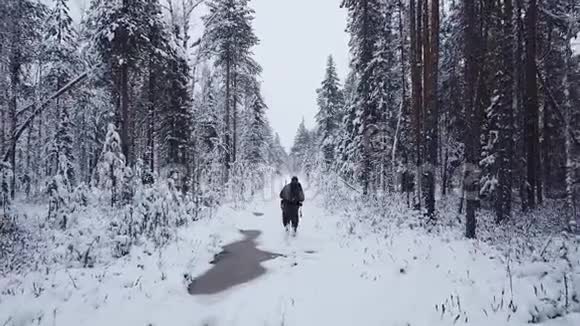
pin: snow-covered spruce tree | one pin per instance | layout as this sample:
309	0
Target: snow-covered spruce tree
62	56
92	106
23	22
252	164
452	115
300	149
60	186
176	120
229	40
207	140
255	137
369	30
330	103
494	109
118	28
157	53
346	144
110	172
385	88
207	115
278	156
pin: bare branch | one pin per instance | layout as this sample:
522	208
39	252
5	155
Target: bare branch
39	108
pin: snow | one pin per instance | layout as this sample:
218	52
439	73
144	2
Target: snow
576	44
337	271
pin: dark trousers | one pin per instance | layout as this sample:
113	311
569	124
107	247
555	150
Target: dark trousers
290	215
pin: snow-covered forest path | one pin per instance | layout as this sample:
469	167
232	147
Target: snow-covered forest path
335	272
332	276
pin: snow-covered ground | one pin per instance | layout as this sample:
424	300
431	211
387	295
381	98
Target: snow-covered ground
335	273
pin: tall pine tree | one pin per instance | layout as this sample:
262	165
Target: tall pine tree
330	104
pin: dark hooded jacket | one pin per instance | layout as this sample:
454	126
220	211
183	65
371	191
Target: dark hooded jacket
292	197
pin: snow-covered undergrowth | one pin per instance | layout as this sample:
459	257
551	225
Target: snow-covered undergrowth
83	250
90	232
47	264
539	275
353	262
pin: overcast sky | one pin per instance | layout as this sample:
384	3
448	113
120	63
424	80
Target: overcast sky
295	39
296	36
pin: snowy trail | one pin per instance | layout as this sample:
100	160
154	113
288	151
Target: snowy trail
329	277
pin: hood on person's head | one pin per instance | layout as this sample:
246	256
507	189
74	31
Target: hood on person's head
294	179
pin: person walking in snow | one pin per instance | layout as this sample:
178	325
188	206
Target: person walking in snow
292	197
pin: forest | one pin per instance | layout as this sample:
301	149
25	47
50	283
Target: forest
474	98
135	143
128	98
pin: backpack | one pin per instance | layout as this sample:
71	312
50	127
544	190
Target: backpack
294	192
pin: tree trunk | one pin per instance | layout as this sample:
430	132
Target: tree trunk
416	89
124	92
505	152
403	107
471	177
151	117
3	120
531	116
14	72
568	112
227	157
546	141
432	112
28	175
520	108
235	116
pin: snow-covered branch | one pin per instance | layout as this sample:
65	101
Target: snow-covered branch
39	108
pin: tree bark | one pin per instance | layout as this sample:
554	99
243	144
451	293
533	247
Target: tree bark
416	89
432	115
403	107
235	116
568	133
15	64
151	117
505	153
531	129
227	148
471	176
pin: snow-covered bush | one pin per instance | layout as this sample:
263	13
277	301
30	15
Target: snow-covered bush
16	244
246	178
155	213
5	176
558	290
81	196
111	173
58	202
